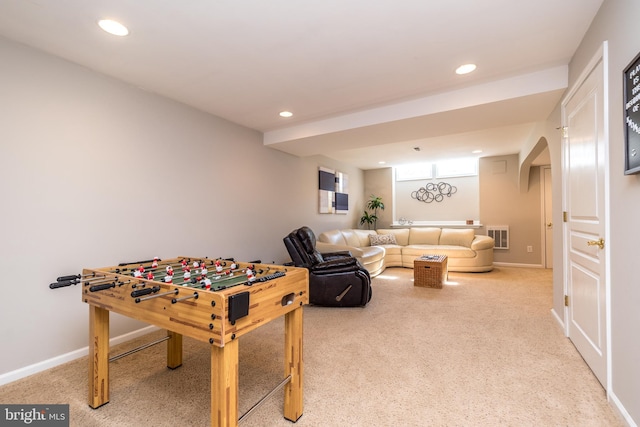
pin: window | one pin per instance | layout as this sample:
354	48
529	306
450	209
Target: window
443	169
414	171
457	167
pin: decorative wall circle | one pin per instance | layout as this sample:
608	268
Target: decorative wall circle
432	191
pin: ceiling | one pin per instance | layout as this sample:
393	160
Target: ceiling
367	80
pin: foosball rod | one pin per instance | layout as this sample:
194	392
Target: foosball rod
174	292
130	270
215	276
159	270
149	261
178	264
137	349
268	395
175	300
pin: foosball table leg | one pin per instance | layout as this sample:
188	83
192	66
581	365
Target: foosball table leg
98	356
224	385
293	365
174	350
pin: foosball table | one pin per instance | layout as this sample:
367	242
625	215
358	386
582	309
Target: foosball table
213	301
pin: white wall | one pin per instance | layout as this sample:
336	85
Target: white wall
460	206
617	23
94	172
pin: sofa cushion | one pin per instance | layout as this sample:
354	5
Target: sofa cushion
352	239
482	242
382	239
457	237
372	254
401	234
333	237
393	255
450	251
424	236
363	236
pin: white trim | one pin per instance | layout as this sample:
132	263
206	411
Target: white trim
509	264
558	319
543	205
543	217
393	195
620	409
607	209
600	56
68	357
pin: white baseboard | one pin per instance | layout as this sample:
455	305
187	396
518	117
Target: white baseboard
621	411
558	319
68	357
514	264
614	402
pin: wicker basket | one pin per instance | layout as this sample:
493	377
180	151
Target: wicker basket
430	271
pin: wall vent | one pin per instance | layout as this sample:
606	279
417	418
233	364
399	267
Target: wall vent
500	234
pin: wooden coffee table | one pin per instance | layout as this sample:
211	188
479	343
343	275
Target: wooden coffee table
430	271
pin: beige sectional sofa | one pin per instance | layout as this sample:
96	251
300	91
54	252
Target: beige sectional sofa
378	249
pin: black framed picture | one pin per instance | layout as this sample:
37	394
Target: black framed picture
632	117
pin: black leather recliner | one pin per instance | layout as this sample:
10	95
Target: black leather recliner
336	279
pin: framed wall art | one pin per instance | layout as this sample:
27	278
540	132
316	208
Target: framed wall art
333	194
632	117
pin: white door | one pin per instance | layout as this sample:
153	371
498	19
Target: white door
548	218
584	149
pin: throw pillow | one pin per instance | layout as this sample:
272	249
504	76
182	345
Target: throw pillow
382	239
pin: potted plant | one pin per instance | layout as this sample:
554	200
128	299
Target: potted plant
374	203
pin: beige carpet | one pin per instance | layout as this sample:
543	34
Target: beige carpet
482	351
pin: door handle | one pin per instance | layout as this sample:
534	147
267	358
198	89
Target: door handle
599	243
550	224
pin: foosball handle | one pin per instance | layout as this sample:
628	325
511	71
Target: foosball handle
67	278
63	283
102	287
146	291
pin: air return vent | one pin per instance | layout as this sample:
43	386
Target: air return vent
500	234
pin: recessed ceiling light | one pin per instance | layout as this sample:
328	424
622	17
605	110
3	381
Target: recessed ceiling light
382	162
477	151
113	27
286	114
465	69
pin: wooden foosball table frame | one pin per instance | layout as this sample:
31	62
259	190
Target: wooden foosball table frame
218	318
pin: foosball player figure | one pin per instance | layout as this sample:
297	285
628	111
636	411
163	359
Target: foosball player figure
218	266
150	275
154	264
139	272
250	276
206	283
186	274
169	277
